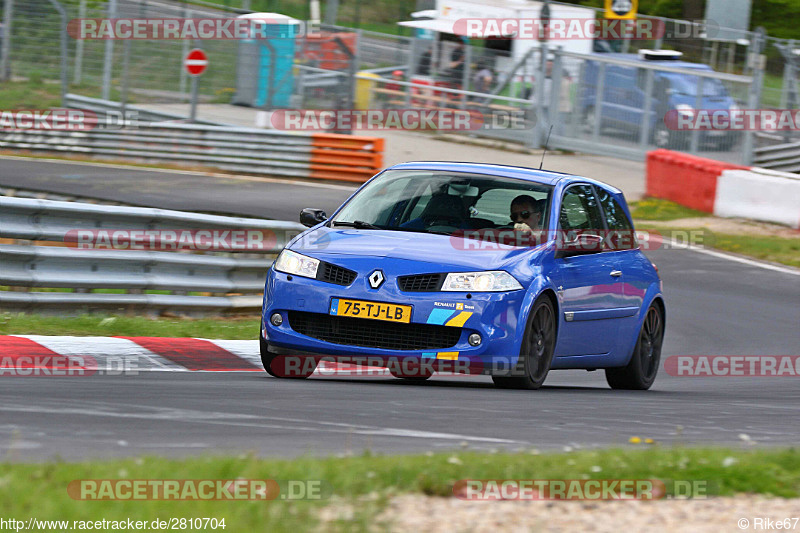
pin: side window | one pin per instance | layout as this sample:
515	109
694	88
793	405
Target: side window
580	211
495	204
621	230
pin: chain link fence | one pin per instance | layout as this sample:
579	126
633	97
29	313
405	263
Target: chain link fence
348	66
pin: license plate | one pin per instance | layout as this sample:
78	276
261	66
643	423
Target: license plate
371	310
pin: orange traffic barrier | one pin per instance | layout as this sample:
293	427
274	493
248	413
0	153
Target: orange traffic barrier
345	157
685	179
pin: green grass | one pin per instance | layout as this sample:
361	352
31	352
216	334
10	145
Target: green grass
367	481
132	326
773	248
663	210
771	95
770	248
36	93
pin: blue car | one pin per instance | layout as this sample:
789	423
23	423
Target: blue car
425	264
624	96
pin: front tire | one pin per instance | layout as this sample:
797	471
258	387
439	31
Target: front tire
272	363
643	366
536	352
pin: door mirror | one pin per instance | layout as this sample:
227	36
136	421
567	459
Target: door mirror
581	244
310	217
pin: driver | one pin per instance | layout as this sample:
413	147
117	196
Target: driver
527	213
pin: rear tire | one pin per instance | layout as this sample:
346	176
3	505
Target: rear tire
536	352
643	366
268	359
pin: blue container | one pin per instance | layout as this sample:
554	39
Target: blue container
265	76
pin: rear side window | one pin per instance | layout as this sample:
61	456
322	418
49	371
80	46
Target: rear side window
580	211
621	230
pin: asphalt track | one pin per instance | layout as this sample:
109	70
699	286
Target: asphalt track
715	306
167	189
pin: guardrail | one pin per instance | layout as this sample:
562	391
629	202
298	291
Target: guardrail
248	150
103	107
784	157
220	281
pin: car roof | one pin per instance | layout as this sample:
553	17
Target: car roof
547	177
665	62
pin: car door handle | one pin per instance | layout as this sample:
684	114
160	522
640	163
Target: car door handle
616	273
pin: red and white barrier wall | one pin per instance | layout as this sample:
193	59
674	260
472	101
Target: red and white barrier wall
724	189
54	356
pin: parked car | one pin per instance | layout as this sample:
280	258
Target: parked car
623	99
410	267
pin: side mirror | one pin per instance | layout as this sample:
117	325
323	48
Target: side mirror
310	217
581	245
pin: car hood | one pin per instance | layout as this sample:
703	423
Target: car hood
326	243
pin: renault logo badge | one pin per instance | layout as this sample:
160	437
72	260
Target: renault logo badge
376	279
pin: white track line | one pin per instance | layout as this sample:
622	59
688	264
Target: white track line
731	257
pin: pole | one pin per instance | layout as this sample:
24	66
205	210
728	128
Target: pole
126	53
331	11
64	49
5	58
108	59
754	98
185	47
193	111
78	72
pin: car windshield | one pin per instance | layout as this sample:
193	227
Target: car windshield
687	85
442	202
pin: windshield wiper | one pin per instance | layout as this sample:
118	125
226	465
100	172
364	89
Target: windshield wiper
358	224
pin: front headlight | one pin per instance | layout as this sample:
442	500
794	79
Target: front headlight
493	281
300	265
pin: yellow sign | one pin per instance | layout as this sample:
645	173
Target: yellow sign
621	9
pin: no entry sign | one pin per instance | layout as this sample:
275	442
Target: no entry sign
195	62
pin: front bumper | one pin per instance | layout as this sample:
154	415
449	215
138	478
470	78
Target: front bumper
494	316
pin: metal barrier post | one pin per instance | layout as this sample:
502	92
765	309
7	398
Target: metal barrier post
598	102
754	98
78	67
108	59
644	134
465	74
694	144
5	49
556	90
